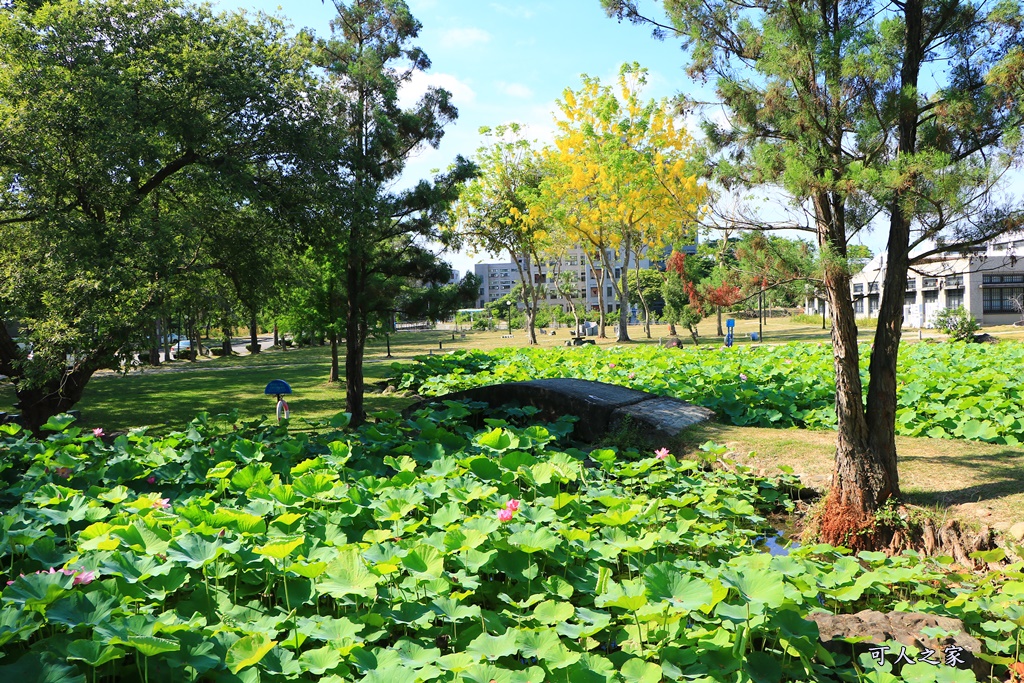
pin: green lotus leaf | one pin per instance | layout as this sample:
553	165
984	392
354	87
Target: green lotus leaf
534	540
248	651
665	583
221	470
415	655
485	468
194	551
591	668
148	646
630	595
320	660
491	647
424	562
37	590
758	585
452	610
347	575
551	612
93	653
91	609
279	550
40	668
498	439
639	671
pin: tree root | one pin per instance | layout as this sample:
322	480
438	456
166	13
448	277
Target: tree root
918	532
950	539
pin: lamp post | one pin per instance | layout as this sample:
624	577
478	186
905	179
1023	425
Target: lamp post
510	305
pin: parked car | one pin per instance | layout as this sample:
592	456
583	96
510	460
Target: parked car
182	345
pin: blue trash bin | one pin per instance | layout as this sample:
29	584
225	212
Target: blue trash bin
754	336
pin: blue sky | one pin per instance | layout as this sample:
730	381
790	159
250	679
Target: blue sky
509	60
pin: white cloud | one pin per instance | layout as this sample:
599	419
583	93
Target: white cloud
465	37
517	11
462	93
517	90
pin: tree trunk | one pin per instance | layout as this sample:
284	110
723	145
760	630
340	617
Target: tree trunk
167	340
861	478
276	340
693	333
623	292
39	403
253	333
672	330
718	309
154	344
193	335
601	321
225	344
355	343
334	376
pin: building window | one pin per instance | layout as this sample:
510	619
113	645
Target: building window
618	273
954	281
910	298
858	289
931	297
872	286
930	283
954	298
1001	299
912	285
608	291
873	304
858	306
609	308
1001	279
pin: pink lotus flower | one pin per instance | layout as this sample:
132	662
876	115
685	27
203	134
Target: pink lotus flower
162	503
632	375
505	515
151	480
512	505
63	472
611	365
84	578
661	453
743	377
98	432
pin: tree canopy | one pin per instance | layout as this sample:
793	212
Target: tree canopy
125	127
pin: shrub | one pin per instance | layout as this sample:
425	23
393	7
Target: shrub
250	349
958	323
805	319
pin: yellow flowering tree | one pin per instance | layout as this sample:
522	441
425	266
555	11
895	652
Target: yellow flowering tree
620	183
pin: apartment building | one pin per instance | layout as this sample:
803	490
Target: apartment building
986	280
498	279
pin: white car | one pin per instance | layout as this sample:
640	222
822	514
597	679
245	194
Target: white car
183	345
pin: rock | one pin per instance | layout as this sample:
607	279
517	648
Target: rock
904	628
985	338
1016	532
672	343
389	389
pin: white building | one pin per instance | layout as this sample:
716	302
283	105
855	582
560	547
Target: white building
498	279
986	280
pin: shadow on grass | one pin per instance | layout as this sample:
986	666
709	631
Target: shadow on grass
1002	472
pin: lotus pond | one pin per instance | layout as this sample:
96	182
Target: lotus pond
969	391
457	544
